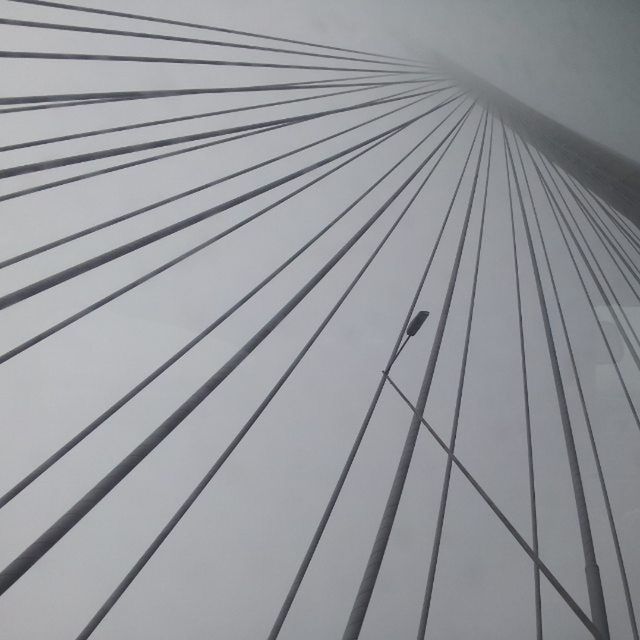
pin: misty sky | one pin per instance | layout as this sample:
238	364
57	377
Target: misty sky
224	571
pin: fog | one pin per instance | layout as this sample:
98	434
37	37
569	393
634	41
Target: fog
224	571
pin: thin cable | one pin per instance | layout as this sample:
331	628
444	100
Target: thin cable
331	83
623	333
135	163
124	249
632	348
192	25
102	225
132	163
159	36
175	519
223	139
613	180
585	413
446	482
119	292
558	215
116	406
619	220
30	556
363	596
631	231
594	586
153	123
629	266
607	239
632	228
606	217
36	105
533	509
56	105
54	163
69	445
555	583
94	57
604	231
317	536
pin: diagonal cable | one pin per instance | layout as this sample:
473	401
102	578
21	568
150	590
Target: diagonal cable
49	538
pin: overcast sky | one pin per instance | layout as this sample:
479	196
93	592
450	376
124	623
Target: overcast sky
224	571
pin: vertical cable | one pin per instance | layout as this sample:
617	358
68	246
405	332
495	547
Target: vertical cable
527	415
446	481
365	591
594	585
315	540
606	217
587	419
595	260
558	214
555	583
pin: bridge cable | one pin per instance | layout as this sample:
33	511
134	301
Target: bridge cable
174	198
594	586
446	481
87	265
135	163
324	520
52	26
363	596
175	519
585	411
193	25
49	538
69	445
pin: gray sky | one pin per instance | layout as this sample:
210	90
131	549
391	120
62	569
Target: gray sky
224	571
